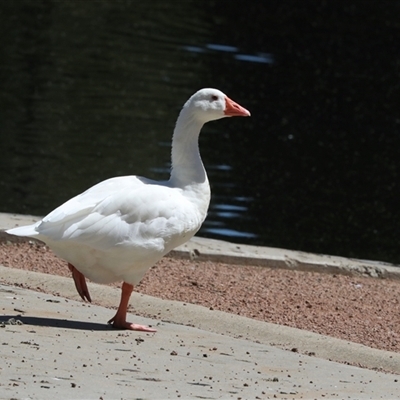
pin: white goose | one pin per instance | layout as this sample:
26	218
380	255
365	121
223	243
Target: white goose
119	228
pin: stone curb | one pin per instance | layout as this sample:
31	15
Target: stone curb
220	251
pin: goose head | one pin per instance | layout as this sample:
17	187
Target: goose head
211	104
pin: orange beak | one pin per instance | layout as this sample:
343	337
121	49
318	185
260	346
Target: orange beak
233	109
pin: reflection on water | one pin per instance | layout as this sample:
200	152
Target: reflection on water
223	211
260	58
92	90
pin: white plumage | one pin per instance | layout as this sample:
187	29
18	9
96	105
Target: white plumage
119	228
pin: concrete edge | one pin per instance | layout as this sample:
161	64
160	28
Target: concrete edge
217	250
284	337
220	251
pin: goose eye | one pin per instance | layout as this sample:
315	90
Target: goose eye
214	97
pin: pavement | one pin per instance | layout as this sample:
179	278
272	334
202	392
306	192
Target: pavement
58	347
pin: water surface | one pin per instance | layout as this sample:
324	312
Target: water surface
91	90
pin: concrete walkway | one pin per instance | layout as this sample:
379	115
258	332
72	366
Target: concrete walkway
63	349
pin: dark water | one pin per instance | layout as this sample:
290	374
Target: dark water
91	90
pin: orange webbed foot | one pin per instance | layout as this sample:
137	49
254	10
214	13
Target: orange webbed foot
119	320
80	283
117	323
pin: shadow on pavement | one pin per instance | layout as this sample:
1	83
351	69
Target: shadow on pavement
54	323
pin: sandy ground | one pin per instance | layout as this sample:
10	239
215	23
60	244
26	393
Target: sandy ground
357	309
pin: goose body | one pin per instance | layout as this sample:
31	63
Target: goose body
119	228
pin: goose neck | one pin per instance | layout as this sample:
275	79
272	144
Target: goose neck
187	167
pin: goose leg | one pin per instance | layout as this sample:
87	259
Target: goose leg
119	320
80	283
